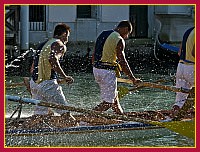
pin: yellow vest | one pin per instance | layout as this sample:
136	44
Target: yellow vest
44	67
109	54
189	46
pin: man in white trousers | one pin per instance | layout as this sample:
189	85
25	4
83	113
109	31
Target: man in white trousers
185	75
108	61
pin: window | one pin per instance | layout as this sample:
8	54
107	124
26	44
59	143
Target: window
86	11
37	17
37	13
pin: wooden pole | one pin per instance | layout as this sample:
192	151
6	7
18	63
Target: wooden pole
154	85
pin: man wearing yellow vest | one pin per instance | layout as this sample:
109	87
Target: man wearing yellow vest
185	75
108	60
46	67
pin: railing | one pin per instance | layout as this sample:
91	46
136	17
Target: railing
37	26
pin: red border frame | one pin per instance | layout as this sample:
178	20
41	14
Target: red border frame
2	2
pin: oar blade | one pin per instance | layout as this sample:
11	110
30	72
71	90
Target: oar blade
122	91
185	128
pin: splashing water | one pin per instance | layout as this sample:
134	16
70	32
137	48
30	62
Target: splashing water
84	93
19	59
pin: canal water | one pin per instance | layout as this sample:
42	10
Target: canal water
84	93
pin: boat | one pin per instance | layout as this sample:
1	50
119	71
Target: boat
166	52
124	126
97	138
91	121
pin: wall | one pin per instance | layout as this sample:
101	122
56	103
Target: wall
114	13
86	29
62	13
174	22
81	29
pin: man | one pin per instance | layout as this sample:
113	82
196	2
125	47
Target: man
108	60
46	67
185	70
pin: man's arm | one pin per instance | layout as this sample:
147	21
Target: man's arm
32	67
57	51
179	51
193	51
123	62
93	57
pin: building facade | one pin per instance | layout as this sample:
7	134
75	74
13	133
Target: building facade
87	21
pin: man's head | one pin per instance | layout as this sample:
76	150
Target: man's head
62	32
124	28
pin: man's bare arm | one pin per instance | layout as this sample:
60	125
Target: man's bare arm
123	62
193	51
57	51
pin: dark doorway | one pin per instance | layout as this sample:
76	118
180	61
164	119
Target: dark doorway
139	19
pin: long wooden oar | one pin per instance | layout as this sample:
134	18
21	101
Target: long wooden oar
122	91
154	85
179	127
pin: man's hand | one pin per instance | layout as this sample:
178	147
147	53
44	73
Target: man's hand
69	79
136	81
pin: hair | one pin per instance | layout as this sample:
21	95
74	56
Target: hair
125	23
60	29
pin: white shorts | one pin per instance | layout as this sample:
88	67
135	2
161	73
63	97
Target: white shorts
107	82
48	91
184	79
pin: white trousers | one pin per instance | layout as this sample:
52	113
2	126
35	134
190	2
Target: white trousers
48	91
107	82
185	78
